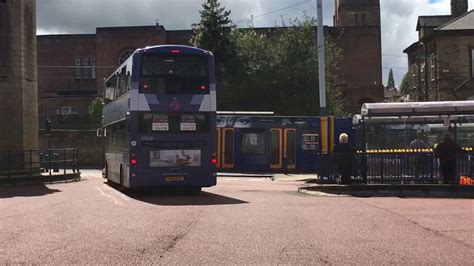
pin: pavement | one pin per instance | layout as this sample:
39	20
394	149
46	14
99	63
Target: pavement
389	190
242	220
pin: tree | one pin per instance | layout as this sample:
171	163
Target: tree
95	112
278	70
405	86
213	33
391	81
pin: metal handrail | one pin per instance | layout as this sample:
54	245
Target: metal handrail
49	159
395	167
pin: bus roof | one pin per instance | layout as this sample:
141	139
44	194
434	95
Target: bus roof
166	47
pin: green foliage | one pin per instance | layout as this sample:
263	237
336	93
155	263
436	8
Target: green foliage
95	111
405	87
278	71
391	81
275	70
213	33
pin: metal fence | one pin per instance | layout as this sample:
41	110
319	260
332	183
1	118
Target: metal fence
393	167
38	163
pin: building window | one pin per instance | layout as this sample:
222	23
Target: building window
85	64
78	68
433	67
85	67
364	22
356	16
422	72
67	110
92	64
413	75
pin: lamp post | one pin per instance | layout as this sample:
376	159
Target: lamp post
321	61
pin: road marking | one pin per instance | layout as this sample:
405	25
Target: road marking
244	179
117	193
116	201
228	179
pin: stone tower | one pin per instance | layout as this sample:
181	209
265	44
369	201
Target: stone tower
357	13
458	7
18	76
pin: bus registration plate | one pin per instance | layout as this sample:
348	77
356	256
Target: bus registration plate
174	178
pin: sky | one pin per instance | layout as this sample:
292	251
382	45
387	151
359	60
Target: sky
398	17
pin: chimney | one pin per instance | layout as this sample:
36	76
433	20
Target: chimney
458	8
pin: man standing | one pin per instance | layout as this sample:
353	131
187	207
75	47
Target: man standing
447	152
417	158
345	156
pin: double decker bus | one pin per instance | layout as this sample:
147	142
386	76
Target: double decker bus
159	119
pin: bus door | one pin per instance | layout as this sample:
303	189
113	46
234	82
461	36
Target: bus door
283	143
289	140
225	148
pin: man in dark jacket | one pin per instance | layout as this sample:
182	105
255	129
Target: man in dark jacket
345	156
447	152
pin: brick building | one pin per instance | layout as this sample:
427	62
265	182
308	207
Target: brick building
72	67
441	61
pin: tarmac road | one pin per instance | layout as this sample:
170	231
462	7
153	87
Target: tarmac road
240	221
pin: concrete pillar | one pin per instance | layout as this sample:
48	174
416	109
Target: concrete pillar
18	76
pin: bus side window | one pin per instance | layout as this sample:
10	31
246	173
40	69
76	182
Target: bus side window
122	88
110	87
129	81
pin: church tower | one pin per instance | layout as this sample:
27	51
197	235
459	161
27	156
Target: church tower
458	8
357	25
357	13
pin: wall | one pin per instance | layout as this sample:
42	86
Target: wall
452	68
454	57
58	84
112	42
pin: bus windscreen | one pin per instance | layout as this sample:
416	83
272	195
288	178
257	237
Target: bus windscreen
174	74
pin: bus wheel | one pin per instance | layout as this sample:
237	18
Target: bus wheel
195	190
121	187
106	175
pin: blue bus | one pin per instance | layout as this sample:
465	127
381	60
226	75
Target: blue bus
159	119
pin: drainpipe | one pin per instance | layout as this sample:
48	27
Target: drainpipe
425	73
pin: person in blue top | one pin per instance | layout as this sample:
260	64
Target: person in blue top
417	158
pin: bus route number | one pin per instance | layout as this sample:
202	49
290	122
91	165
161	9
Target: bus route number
188	126
160	126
